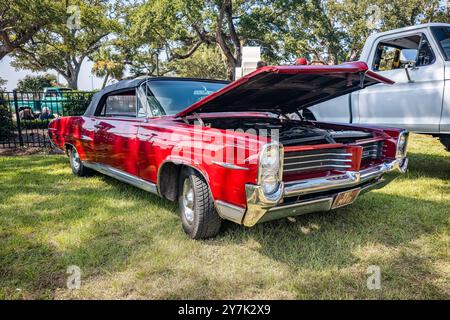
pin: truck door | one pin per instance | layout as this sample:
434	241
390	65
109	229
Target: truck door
414	102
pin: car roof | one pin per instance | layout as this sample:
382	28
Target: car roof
134	83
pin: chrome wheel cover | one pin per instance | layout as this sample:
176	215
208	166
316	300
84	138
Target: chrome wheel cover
187	202
76	161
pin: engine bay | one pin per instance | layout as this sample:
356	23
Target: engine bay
289	132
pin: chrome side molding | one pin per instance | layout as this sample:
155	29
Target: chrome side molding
229	165
122	176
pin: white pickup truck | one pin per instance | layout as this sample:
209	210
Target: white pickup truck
417	58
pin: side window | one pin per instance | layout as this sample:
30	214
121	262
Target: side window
122	104
397	53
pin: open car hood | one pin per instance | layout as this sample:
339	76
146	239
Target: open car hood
286	89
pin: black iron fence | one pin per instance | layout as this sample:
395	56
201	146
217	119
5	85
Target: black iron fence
24	116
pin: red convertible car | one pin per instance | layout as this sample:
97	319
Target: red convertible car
242	151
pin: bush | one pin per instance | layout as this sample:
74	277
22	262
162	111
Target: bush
6	123
76	103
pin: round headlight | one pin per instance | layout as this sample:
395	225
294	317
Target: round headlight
402	145
271	158
269	168
269	183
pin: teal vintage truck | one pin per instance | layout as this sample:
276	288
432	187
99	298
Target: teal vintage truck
52	98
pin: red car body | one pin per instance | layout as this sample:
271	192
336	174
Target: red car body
149	151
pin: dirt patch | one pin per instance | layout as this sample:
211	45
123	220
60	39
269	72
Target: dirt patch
27	151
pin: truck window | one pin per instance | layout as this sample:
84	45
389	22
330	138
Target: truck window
396	53
442	36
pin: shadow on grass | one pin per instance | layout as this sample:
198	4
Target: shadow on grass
36	198
429	165
316	241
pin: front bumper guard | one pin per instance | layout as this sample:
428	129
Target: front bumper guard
259	204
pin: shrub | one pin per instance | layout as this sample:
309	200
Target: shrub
76	103
6	123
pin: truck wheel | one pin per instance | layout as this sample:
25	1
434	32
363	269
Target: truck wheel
76	164
445	140
198	215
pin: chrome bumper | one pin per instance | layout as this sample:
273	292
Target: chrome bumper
263	208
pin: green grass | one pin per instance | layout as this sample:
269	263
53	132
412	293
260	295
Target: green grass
129	244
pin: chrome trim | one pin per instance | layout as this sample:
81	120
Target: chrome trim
229	165
122	176
318	154
258	204
347	179
299	208
230	212
318	160
318	166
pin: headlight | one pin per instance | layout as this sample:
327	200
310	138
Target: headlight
402	145
270	168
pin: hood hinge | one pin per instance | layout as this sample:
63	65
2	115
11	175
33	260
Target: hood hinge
362	76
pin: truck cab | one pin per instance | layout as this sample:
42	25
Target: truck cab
417	58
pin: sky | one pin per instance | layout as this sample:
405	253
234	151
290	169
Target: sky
86	82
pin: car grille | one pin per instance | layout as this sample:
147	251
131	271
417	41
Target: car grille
372	150
316	160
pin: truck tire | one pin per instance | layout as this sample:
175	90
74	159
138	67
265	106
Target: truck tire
445	140
198	215
76	164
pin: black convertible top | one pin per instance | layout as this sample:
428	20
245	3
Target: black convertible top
130	84
122	84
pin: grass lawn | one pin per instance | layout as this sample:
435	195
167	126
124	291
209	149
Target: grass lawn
129	244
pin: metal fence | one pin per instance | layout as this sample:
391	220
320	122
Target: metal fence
24	116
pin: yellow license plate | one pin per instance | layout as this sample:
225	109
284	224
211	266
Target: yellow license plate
345	198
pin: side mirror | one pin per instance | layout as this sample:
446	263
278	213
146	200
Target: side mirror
408	57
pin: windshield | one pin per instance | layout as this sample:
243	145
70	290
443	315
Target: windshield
442	35
168	97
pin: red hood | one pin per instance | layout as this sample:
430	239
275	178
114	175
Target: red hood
286	89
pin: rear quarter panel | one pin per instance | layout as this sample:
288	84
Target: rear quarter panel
76	131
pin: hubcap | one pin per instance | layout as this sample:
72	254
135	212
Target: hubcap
76	162
188	201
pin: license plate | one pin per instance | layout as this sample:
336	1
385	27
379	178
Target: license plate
345	198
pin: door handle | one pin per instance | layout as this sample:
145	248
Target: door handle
98	126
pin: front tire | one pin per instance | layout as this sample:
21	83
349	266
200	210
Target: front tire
445	140
76	164
198	215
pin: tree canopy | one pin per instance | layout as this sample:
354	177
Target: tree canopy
36	83
194	37
59	47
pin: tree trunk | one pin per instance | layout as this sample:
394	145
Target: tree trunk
105	81
72	76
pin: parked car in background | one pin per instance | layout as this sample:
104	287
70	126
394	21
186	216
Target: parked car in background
53	98
230	151
417	58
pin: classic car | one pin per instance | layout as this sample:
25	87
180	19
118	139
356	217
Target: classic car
239	151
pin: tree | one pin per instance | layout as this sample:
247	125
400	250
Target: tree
3	83
335	30
107	65
179	28
206	62
63	46
36	83
20	20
